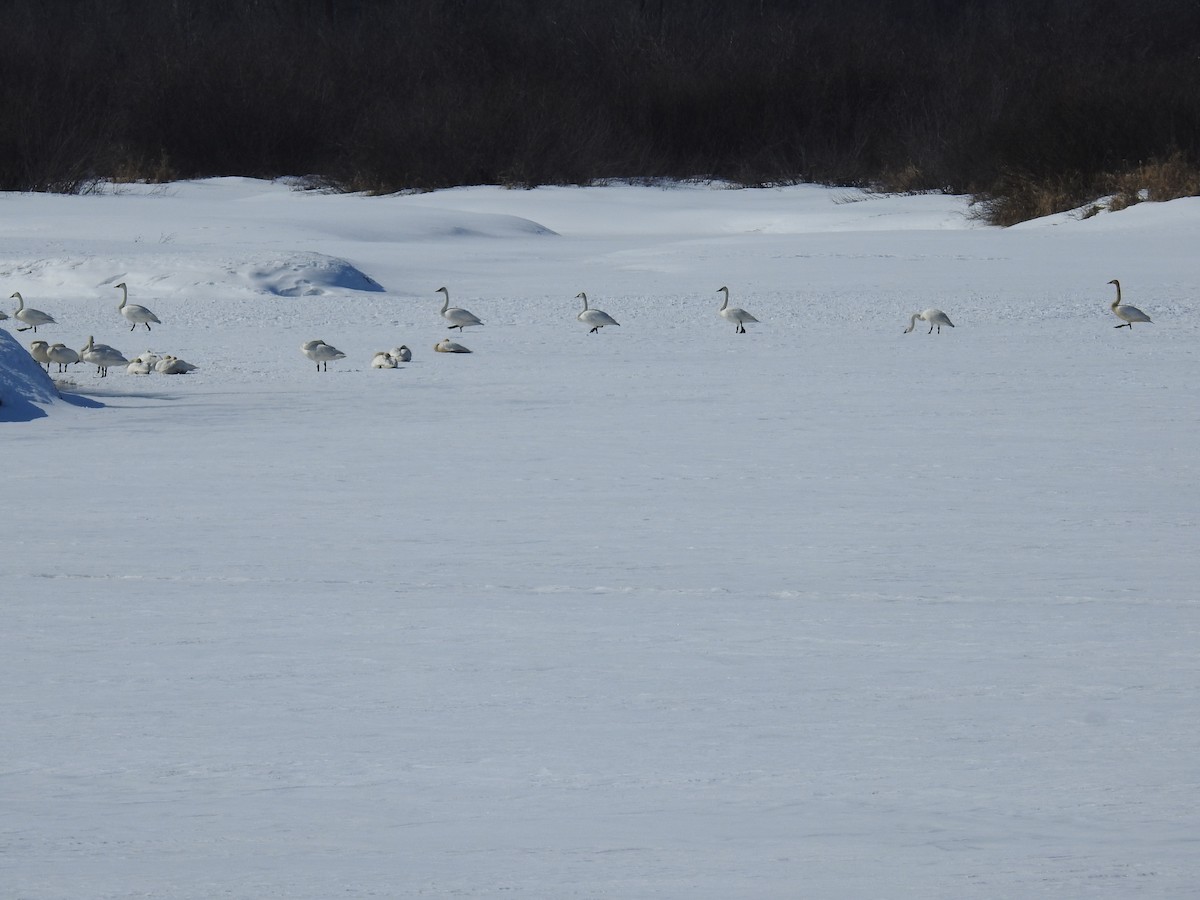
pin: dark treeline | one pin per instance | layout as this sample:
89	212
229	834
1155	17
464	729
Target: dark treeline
393	94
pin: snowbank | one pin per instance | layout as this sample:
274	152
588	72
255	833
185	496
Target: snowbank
24	385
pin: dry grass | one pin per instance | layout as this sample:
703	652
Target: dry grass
1019	197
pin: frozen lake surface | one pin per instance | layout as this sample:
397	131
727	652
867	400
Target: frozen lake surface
821	610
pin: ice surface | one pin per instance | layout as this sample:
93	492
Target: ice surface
821	610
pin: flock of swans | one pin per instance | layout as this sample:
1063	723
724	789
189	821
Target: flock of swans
103	356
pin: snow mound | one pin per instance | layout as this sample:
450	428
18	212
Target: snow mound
24	385
307	275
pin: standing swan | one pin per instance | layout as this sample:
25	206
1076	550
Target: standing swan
138	315
31	317
101	356
935	318
1127	314
594	317
40	351
321	353
458	318
62	355
734	313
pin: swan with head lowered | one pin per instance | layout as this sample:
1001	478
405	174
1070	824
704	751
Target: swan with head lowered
401	354
31	318
321	353
137	315
173	365
383	360
1127	314
457	317
101	356
62	355
734	313
935	317
39	350
594	317
445	345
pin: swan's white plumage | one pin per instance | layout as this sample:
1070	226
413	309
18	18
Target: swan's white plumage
39	351
935	317
734	313
457	317
101	356
383	360
138	366
1126	313
137	315
62	355
31	318
401	354
595	319
321	353
173	365
445	345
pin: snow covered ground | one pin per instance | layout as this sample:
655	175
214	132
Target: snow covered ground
822	610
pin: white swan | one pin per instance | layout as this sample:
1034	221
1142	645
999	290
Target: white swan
734	313
138	315
138	366
935	318
383	360
101	356
401	354
321	353
458	318
31	317
173	365
594	317
448	346
1127	314
38	350
62	355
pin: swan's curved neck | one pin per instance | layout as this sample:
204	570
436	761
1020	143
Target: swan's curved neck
20	301
124	295
446	293
1117	302
584	296
725	302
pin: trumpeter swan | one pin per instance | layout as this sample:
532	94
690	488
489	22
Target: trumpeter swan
401	354
138	366
1127	314
101	356
31	317
173	365
457	317
383	360
935	317
321	353
594	317
137	315
62	355
734	313
445	345
38	350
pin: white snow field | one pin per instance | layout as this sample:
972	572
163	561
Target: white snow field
824	610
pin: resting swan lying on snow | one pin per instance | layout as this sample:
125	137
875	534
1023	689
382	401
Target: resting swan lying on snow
448	346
